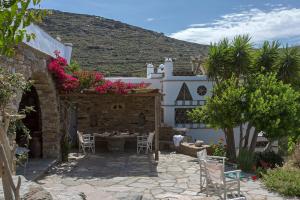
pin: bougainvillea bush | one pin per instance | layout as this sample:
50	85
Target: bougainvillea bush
78	80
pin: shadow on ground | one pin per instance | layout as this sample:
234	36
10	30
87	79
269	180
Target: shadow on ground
107	165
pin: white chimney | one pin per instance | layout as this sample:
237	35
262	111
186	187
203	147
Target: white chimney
168	68
150	70
68	51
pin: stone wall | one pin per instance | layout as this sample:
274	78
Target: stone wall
98	113
33	65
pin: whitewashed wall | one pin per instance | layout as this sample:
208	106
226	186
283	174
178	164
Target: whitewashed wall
170	87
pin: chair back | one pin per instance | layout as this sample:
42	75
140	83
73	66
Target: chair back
80	138
202	154
150	137
214	171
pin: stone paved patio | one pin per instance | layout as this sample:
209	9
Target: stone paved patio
126	176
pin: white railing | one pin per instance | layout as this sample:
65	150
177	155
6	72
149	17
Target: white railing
191	126
190	103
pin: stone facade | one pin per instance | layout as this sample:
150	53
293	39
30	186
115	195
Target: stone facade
33	65
115	112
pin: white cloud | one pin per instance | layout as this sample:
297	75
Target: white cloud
276	24
150	19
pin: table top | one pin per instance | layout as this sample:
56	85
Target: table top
113	135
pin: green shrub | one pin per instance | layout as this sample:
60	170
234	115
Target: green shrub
218	149
292	143
260	172
285	181
246	160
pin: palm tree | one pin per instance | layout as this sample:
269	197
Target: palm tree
289	65
229	58
217	61
266	57
241	55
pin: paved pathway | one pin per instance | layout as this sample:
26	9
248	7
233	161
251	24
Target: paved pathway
126	176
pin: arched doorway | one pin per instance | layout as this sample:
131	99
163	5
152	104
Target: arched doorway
33	123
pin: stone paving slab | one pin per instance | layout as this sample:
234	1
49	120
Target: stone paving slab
129	176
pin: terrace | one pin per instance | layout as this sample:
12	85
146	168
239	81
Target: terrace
131	176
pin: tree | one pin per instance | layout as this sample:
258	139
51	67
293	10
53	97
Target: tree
223	111
264	61
229	58
266	57
15	16
228	61
247	91
289	66
272	107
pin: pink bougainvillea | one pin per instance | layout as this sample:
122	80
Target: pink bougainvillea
57	67
87	79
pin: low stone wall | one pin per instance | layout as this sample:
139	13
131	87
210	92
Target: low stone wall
190	149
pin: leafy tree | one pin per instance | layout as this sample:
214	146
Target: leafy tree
272	107
15	16
247	91
223	111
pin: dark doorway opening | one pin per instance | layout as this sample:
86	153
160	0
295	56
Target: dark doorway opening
33	122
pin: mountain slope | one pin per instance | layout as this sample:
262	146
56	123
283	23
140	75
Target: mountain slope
115	48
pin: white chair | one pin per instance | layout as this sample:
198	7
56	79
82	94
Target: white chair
202	155
145	142
212	168
86	141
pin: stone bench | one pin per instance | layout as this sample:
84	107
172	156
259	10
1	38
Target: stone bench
190	149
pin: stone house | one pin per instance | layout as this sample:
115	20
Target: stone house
31	60
58	113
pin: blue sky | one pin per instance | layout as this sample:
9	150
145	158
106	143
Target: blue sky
200	21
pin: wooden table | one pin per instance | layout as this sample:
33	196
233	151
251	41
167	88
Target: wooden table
115	142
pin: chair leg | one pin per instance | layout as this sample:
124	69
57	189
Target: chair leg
200	180
206	189
83	150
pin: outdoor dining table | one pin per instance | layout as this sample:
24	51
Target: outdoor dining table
115	141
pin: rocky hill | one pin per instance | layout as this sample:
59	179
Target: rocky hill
116	48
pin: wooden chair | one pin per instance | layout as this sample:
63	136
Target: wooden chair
86	141
212	169
145	142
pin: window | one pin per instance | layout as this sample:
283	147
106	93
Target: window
202	90
181	116
184	94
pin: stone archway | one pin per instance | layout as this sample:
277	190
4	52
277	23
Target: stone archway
33	65
49	107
